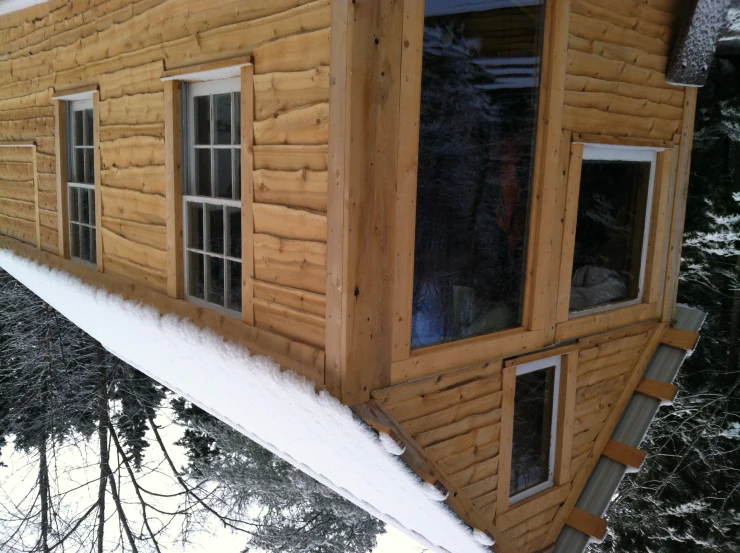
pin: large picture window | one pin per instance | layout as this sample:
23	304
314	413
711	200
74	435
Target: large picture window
212	195
81	181
480	86
614	204
535	428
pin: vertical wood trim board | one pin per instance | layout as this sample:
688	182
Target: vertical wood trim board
566	417
654	266
98	184
570	218
508	390
339	100
36	197
60	146
173	187
538	292
679	204
247	192
408	164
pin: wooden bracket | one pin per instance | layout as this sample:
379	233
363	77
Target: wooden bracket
589	524
657	389
625	454
681	339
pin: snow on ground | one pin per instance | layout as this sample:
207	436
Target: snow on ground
278	409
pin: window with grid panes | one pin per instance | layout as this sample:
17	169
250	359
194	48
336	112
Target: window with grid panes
212	195
81	181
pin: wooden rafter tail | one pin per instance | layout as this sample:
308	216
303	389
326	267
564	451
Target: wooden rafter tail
624	454
663	391
589	524
681	339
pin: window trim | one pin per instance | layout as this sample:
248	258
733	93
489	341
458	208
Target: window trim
531	367
64	102
609	152
220	86
407	363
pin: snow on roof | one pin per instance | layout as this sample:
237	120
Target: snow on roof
9	6
277	409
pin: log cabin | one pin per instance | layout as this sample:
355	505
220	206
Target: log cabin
462	219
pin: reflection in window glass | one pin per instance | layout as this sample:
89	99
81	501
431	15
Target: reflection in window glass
81	180
610	232
533	413
480	83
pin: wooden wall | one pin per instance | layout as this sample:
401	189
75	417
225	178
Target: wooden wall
615	71
123	46
454	420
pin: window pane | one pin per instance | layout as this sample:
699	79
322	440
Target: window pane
78	128
73	204
480	83
215	222
195	226
74	240
88	131
84	243
202	118
234	215
91	203
202	172
196	275
235	286
84	206
89	166
223	118
78	173
216	280
223	173
533	407
610	228
237	118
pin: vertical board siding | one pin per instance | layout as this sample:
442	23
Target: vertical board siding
124	46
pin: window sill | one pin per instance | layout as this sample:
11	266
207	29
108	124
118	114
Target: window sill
583	325
432	360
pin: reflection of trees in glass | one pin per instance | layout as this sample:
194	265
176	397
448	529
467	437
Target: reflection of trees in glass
533	406
475	156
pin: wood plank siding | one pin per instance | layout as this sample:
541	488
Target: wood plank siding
124	47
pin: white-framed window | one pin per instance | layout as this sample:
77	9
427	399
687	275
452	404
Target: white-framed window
212	195
535	428
612	228
81	181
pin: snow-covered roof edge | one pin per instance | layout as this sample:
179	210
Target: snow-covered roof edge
10	6
280	410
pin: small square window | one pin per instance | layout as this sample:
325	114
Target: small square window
612	227
535	428
212	195
81	181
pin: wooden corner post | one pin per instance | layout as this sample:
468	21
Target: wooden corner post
363	144
173	190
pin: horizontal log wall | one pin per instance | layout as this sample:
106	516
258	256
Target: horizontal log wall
123	47
615	72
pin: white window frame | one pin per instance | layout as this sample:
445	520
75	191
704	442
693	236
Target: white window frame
603	152
71	107
527	368
189	92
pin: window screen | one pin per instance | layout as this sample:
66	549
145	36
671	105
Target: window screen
608	259
212	198
534	406
479	90
81	181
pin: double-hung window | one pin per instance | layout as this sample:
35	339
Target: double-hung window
612	227
81	181
212	195
534	428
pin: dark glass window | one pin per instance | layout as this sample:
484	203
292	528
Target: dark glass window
610	233
533	418
81	181
480	83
